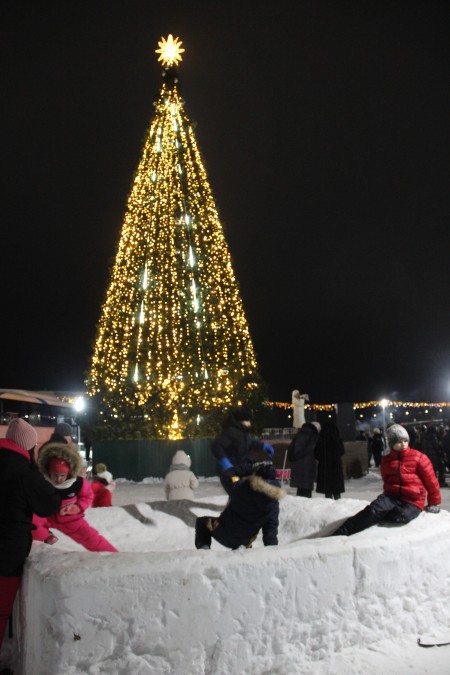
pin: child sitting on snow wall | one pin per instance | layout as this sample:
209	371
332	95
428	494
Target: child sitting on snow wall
408	476
180	482
253	506
102	486
61	465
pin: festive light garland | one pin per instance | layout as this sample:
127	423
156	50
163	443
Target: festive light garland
357	406
173	338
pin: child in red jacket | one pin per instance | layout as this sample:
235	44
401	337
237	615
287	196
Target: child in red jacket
408	476
102	486
61	465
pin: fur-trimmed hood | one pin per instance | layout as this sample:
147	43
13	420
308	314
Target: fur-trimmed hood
272	491
63	451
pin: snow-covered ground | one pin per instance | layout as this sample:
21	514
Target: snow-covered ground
313	605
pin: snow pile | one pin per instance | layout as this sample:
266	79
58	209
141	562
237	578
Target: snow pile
160	606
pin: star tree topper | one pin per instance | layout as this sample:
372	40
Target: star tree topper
170	51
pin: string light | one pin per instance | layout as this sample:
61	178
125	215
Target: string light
172	336
366	404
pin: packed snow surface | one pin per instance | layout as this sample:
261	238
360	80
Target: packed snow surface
313	605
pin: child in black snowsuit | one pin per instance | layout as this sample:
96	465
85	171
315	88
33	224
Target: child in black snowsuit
253	505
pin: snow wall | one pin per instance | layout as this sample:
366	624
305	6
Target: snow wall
253	611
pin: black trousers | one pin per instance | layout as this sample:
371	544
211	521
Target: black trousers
303	492
382	508
203	532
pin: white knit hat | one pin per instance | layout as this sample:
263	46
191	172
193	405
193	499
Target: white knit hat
22	433
106	475
395	434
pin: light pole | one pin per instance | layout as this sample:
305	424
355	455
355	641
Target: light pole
79	405
384	402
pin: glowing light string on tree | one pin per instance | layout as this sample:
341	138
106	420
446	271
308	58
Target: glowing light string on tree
172	339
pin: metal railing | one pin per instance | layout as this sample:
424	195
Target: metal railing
278	434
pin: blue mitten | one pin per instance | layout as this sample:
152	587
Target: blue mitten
269	450
225	464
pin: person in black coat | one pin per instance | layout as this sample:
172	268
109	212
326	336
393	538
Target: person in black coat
233	446
23	491
329	450
62	433
302	458
253	506
376	447
433	449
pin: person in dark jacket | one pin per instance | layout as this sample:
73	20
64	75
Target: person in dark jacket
62	433
328	452
432	448
376	446
253	506
302	458
408	479
23	491
233	446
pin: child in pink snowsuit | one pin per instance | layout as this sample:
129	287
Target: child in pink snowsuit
62	466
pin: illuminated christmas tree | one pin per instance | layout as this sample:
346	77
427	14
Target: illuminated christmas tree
172	344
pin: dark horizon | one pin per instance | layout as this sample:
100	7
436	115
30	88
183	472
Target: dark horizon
324	131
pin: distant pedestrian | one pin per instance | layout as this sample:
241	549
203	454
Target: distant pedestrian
376	446
233	446
62	433
433	449
329	452
180	482
302	458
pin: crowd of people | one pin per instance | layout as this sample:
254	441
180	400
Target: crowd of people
433	441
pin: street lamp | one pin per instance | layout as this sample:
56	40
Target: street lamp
384	402
79	405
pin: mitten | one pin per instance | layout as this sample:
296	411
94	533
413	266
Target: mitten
225	464
70	510
433	508
268	449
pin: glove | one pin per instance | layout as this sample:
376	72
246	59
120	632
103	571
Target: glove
70	510
268	449
225	464
51	539
433	508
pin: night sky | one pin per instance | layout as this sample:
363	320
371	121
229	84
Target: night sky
324	127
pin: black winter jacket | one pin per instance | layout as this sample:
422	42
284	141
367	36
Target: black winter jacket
330	474
253	505
23	491
235	443
301	457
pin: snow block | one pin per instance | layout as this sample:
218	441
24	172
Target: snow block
276	609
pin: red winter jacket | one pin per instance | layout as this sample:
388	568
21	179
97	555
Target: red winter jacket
102	496
409	475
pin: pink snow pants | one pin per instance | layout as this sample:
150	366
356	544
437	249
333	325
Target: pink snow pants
81	532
